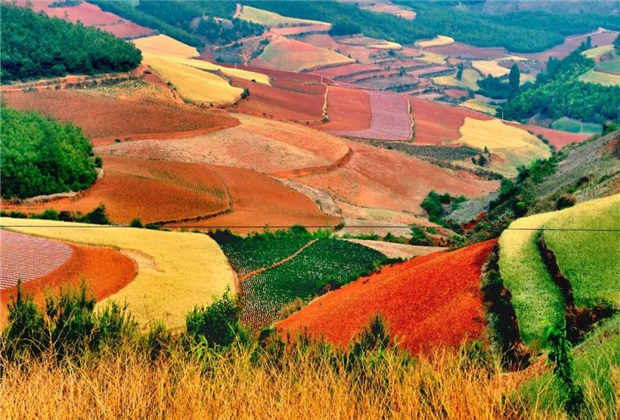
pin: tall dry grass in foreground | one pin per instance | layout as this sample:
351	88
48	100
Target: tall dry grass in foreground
305	383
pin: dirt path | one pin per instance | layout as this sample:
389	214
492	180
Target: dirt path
279	263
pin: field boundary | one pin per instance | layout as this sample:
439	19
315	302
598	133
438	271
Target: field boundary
277	264
315	170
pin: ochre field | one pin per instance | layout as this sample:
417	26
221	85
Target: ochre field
428	301
293	55
164	289
165	46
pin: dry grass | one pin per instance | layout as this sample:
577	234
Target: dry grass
435	42
241	74
190	268
164	45
490	67
301	384
193	84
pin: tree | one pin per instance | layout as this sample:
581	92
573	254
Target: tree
459	72
617	44
514	78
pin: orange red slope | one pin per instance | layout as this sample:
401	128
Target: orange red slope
428	301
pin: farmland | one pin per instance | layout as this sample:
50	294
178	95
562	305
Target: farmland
480	106
469	80
104	119
130	186
536	299
348	110
165	46
574	126
263	17
514	146
556	138
289	146
293	55
163	289
322	266
390	119
589	259
607	74
194	85
490	68
428	301
439	40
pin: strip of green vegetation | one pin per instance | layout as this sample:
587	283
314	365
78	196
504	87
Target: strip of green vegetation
35	46
41	156
537	300
325	265
261	249
594	361
589	259
575	126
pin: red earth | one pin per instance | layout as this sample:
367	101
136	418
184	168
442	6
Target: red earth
104	270
105	119
556	138
461	50
281	103
346	70
153	191
386	179
428	301
348	109
436	123
91	15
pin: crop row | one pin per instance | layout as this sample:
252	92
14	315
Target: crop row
325	265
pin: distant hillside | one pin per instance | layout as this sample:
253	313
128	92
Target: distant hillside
36	46
577	173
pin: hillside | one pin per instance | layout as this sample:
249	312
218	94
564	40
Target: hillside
35	46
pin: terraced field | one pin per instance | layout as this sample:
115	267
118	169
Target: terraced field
163	289
263	17
575	126
480	106
469	80
439	40
163	45
293	55
428	301
606	73
325	264
348	110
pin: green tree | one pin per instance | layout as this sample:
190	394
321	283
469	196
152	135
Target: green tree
459	72
514	78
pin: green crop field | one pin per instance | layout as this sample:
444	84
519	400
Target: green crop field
611	66
575	126
469	80
327	263
590	260
537	300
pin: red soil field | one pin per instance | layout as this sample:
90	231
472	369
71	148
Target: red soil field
150	190
427	70
259	200
348	109
104	119
390	119
386	179
429	301
436	123
26	257
91	15
282	79
262	145
282	104
358	52
461	50
456	94
571	43
105	270
557	138
346	70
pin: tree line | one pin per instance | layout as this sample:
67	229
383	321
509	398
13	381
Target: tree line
35	46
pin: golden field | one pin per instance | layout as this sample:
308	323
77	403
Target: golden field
192	84
164	45
491	67
241	74
263	17
177	271
435	42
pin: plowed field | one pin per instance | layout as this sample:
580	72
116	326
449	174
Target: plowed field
348	110
295	55
428	301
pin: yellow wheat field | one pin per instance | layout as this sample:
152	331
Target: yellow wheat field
193	84
263	17
387	45
491	67
435	42
176	270
164	45
242	74
512	146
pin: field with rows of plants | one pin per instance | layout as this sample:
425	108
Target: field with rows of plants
325	265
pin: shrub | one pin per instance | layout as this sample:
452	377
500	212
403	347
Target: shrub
136	223
97	217
217	324
565	201
98	161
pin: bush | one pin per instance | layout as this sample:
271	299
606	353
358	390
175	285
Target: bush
565	201
136	223
97	217
98	161
217	324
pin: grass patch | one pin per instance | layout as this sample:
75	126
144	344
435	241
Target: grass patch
576	126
